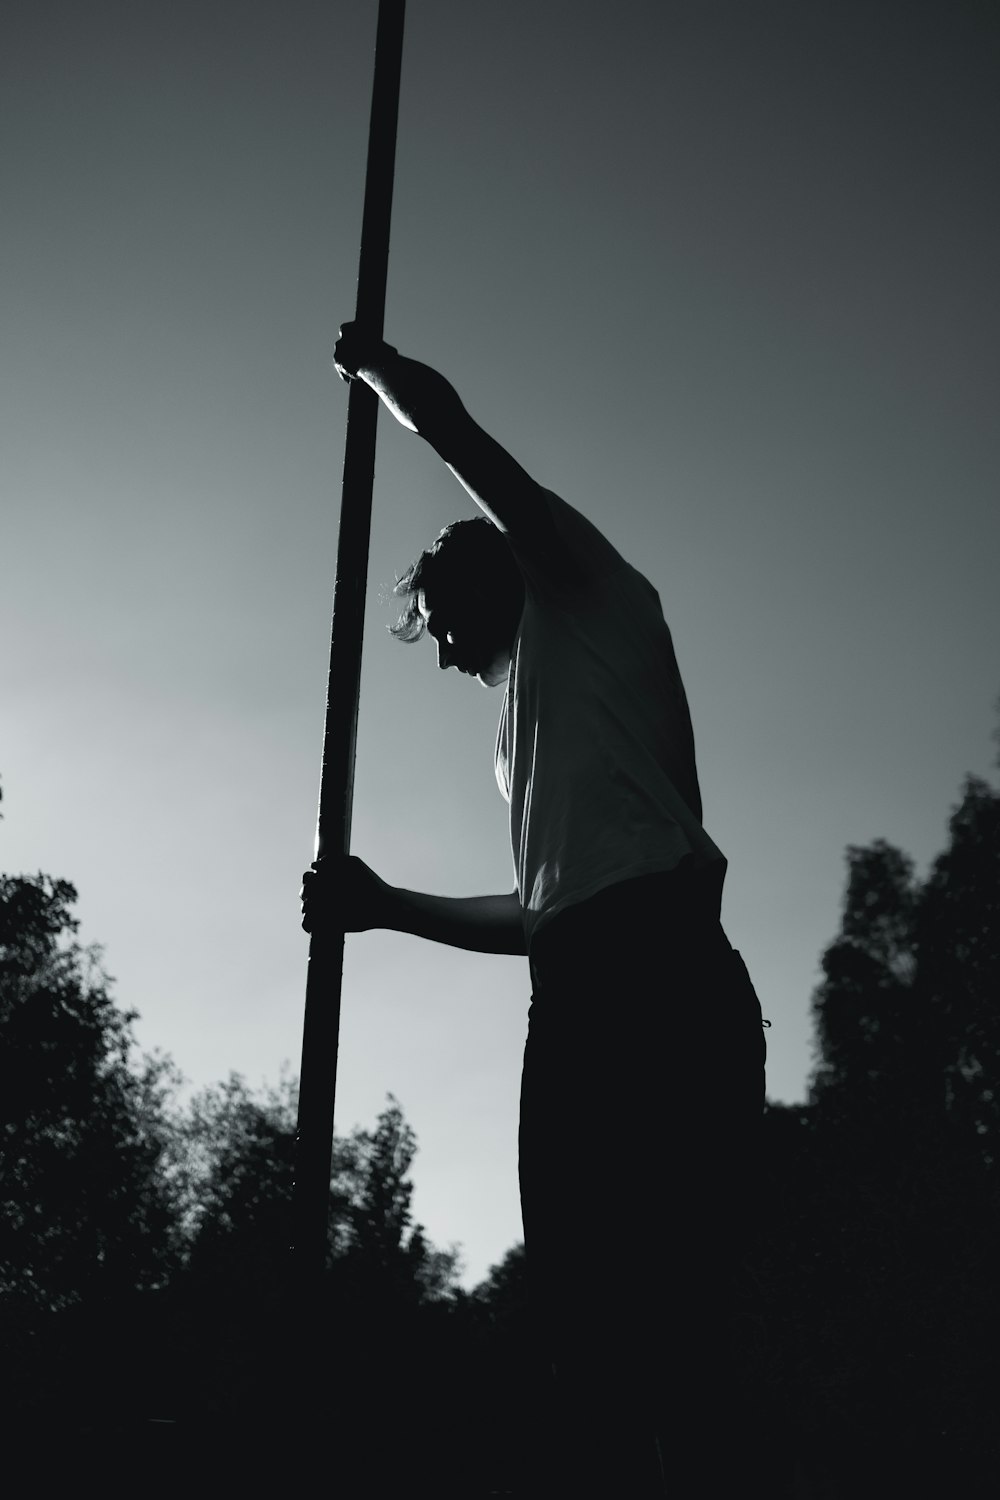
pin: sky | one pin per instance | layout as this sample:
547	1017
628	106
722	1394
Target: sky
722	274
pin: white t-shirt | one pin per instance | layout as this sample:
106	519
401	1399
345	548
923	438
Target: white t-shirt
595	752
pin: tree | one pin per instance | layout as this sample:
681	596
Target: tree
502	1297
879	1314
957	940
85	1193
232	1156
907	1022
381	1244
870	1016
235	1156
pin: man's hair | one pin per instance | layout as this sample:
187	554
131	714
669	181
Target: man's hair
470	561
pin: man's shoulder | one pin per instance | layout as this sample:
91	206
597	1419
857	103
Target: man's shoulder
577	554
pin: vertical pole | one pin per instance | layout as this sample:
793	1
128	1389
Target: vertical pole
321	1027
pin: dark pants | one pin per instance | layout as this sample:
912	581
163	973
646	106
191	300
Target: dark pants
641	1100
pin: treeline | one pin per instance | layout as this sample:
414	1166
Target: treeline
872	1309
144	1291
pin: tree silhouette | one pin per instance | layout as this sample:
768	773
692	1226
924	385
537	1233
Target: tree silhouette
957	934
235	1152
907	1020
502	1296
876	1319
381	1247
86	1201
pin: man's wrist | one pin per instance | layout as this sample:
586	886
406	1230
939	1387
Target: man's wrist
395	910
379	361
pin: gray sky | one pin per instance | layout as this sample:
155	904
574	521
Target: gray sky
721	274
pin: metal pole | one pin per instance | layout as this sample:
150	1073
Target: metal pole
321	1027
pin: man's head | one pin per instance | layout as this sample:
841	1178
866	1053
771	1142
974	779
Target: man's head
467	593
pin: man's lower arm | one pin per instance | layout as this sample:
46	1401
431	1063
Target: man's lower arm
484	924
418	396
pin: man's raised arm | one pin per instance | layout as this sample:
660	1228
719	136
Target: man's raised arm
426	403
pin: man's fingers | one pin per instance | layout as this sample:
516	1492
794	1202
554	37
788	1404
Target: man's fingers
329	892
307	891
341	353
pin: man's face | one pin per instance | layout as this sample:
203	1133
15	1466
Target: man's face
464	639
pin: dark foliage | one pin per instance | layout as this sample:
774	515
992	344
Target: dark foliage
86	1203
144	1289
875	1310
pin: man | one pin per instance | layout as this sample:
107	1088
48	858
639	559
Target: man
643	1069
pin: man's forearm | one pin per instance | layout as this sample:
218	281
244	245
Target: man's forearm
484	924
418	397
425	402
